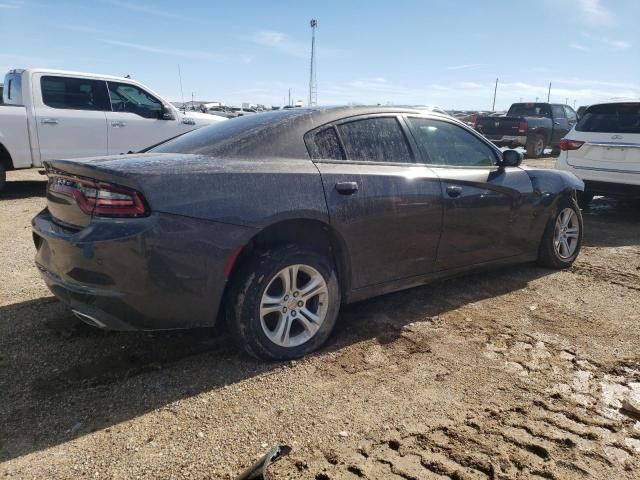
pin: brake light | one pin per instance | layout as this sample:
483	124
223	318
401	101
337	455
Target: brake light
522	126
102	199
566	144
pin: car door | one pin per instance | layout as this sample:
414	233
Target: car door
136	119
70	116
560	124
487	209
387	209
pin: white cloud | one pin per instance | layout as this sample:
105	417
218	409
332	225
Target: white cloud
9	6
136	7
617	44
577	46
282	42
466	66
594	13
194	54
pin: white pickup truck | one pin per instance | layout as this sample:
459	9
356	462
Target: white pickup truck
54	114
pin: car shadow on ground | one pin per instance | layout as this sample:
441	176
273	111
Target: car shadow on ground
24	189
62	379
611	223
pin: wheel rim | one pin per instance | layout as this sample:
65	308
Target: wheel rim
566	234
539	146
294	305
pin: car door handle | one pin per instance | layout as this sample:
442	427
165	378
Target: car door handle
49	121
454	191
347	188
118	124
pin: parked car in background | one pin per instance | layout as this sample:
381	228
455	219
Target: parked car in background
603	149
534	126
581	110
49	114
241	111
284	216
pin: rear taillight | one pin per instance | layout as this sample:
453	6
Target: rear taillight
566	144
102	199
522	126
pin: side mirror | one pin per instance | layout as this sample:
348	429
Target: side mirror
166	114
511	158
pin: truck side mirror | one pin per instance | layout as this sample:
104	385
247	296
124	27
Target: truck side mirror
166	114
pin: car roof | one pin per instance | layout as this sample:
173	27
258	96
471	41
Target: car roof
617	100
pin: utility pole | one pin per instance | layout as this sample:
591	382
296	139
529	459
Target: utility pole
192	101
289	96
574	104
313	86
495	91
566	101
549	94
181	93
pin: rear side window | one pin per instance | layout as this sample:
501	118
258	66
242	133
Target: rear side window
611	118
129	98
326	145
378	139
450	145
74	93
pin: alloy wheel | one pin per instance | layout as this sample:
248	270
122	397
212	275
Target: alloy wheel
294	305
566	234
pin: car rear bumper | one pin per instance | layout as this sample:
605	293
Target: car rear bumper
159	272
603	181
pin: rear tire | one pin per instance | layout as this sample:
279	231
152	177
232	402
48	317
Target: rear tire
284	303
562	238
535	146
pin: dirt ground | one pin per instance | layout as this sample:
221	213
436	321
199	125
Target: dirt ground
520	372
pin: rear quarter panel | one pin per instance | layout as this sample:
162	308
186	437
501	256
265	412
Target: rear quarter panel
14	135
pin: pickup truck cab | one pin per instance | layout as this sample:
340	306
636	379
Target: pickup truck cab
534	126
55	114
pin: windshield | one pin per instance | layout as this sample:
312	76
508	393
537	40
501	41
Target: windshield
529	110
611	118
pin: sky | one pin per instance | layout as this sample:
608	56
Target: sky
446	53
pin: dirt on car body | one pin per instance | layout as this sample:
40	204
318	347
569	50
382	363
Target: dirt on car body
520	372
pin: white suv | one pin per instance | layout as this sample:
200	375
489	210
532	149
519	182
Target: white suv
603	149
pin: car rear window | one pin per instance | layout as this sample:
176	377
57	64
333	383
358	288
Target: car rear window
611	118
529	110
325	145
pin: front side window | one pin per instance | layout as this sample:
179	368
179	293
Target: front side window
74	93
611	118
450	145
571	115
377	139
132	99
558	111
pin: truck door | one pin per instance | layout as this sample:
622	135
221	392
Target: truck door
560	124
70	116
136	120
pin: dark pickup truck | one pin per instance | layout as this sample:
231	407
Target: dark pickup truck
535	126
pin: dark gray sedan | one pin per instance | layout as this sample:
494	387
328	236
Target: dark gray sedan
274	220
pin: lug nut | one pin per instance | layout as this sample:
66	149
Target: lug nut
286	297
300	303
295	294
293	313
284	309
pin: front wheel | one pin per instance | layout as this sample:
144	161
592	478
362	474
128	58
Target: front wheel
562	238
285	303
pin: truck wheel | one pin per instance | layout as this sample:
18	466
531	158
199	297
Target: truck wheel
535	146
284	303
3	177
562	236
